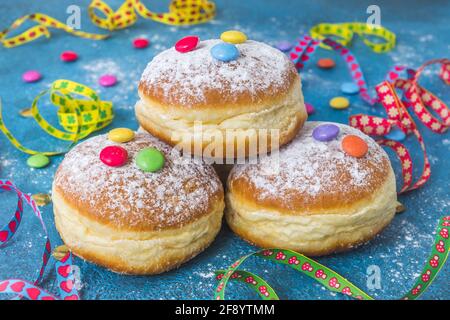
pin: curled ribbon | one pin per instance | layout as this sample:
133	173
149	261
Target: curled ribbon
30	290
79	117
181	12
329	278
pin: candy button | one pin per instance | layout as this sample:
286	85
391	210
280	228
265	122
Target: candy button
233	36
325	132
107	80
150	160
114	156
140	43
186	44
31	76
395	134
339	103
38	161
69	56
225	52
309	108
121	135
354	146
349	88
284	46
326	63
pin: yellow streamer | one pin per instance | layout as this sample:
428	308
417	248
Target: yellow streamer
181	12
79	117
346	31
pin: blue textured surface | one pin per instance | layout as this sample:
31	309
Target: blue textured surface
400	251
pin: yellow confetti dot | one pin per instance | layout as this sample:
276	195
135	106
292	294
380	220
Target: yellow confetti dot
121	135
233	36
339	103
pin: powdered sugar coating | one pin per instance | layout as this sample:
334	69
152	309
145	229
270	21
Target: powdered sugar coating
129	198
192	78
312	171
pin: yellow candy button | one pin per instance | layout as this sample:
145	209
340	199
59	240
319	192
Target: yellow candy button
339	103
233	36
121	135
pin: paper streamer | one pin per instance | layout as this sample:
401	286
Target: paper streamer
79	117
23	288
181	12
419	99
329	278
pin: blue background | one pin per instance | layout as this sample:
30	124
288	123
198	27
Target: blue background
400	251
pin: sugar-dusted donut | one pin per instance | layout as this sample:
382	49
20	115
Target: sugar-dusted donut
132	221
236	105
314	197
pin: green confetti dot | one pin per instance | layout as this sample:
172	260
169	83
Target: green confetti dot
38	161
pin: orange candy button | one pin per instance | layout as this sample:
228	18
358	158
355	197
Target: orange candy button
326	63
354	146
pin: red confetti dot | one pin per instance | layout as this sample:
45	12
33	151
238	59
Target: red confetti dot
186	44
326	63
69	56
140	43
114	156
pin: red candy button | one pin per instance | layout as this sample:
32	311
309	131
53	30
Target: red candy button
114	156
140	43
186	44
69	56
354	146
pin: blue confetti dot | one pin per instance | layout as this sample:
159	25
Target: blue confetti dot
396	134
349	88
225	52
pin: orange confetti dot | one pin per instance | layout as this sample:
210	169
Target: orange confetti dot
326	63
354	146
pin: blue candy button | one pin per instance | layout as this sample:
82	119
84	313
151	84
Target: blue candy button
349	88
225	52
396	134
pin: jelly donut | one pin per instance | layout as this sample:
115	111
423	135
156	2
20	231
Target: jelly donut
313	197
215	104
133	221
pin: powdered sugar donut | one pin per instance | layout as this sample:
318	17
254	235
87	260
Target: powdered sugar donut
133	221
313	197
222	109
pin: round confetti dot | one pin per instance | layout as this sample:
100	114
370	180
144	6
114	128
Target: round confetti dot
349	88
69	56
309	108
326	63
31	76
325	132
354	146
339	103
396	134
38	161
121	135
150	160
107	80
233	36
225	52
140	43
114	156
186	44
284	46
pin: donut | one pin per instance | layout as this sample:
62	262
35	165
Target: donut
313	197
132	221
222	110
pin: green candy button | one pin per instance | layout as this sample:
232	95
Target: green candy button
150	160
38	161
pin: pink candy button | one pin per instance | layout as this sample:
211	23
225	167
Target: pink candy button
140	43
107	80
114	156
31	76
69	56
309	108
186	44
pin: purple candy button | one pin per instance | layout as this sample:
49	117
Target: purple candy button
31	76
107	80
284	46
325	132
